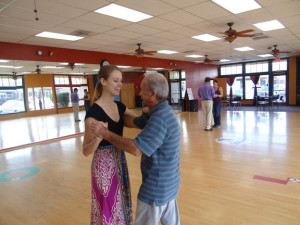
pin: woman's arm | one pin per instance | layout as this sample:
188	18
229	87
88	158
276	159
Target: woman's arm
128	118
90	141
221	92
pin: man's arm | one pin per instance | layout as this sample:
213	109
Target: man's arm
123	143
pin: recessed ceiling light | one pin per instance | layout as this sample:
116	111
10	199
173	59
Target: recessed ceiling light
4	61
206	37
238	6
265	55
123	13
76	64
244	49
225	60
67	37
166	52
269	25
194	56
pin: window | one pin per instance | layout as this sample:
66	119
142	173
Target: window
231	69
257	67
11	95
279	65
237	87
40	98
279	87
64	86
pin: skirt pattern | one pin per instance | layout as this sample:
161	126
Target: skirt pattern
111	196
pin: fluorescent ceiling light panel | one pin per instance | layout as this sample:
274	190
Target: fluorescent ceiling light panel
52	67
4	61
67	37
194	56
124	66
13	67
76	64
238	6
206	37
244	49
166	52
225	60
269	25
265	55
123	13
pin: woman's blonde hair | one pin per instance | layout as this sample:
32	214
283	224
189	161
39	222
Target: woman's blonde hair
104	73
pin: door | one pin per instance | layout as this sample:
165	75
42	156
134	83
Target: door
127	95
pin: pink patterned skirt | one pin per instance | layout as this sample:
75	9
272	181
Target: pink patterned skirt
111	196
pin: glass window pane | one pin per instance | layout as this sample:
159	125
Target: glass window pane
12	101
38	98
63	95
279	87
183	88
48	98
263	86
81	94
237	87
31	103
249	88
182	74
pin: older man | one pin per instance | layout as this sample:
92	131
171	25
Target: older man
206	92
159	145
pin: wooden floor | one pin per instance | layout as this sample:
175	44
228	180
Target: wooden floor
217	170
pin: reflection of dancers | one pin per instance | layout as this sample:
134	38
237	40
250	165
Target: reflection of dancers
40	104
86	98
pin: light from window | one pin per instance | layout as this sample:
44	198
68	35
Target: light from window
231	69
257	67
61	80
279	65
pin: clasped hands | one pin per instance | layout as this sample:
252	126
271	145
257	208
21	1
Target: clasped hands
99	129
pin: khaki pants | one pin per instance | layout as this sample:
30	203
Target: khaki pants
75	110
208	119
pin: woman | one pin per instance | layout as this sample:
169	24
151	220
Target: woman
86	98
111	196
217	104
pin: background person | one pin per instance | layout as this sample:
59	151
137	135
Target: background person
87	101
111	195
217	104
206	93
75	104
159	145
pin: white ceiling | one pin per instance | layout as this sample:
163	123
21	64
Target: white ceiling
173	24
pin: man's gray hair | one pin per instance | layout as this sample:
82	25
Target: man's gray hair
157	82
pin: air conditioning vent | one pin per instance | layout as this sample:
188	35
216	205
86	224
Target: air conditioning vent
83	33
259	36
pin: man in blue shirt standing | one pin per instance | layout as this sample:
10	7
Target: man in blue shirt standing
75	103
159	145
206	92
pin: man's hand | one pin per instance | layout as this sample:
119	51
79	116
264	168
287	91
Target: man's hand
99	128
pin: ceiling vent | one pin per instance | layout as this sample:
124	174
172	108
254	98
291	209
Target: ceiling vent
259	36
83	33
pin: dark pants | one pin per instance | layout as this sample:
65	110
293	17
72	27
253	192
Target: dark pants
217	113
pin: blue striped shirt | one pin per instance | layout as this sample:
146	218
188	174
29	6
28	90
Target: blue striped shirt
160	143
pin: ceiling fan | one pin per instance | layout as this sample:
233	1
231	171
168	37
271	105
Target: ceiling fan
276	52
232	34
70	65
139	52
38	71
208	61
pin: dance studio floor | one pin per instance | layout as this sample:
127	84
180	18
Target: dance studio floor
244	173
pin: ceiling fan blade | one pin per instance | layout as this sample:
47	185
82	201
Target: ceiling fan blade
245	31
230	39
149	52
283	52
245	35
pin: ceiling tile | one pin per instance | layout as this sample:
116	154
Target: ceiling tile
182	17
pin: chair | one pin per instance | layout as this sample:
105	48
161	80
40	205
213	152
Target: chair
275	101
236	103
262	102
225	102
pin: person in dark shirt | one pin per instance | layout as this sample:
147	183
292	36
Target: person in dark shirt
217	104
111	195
